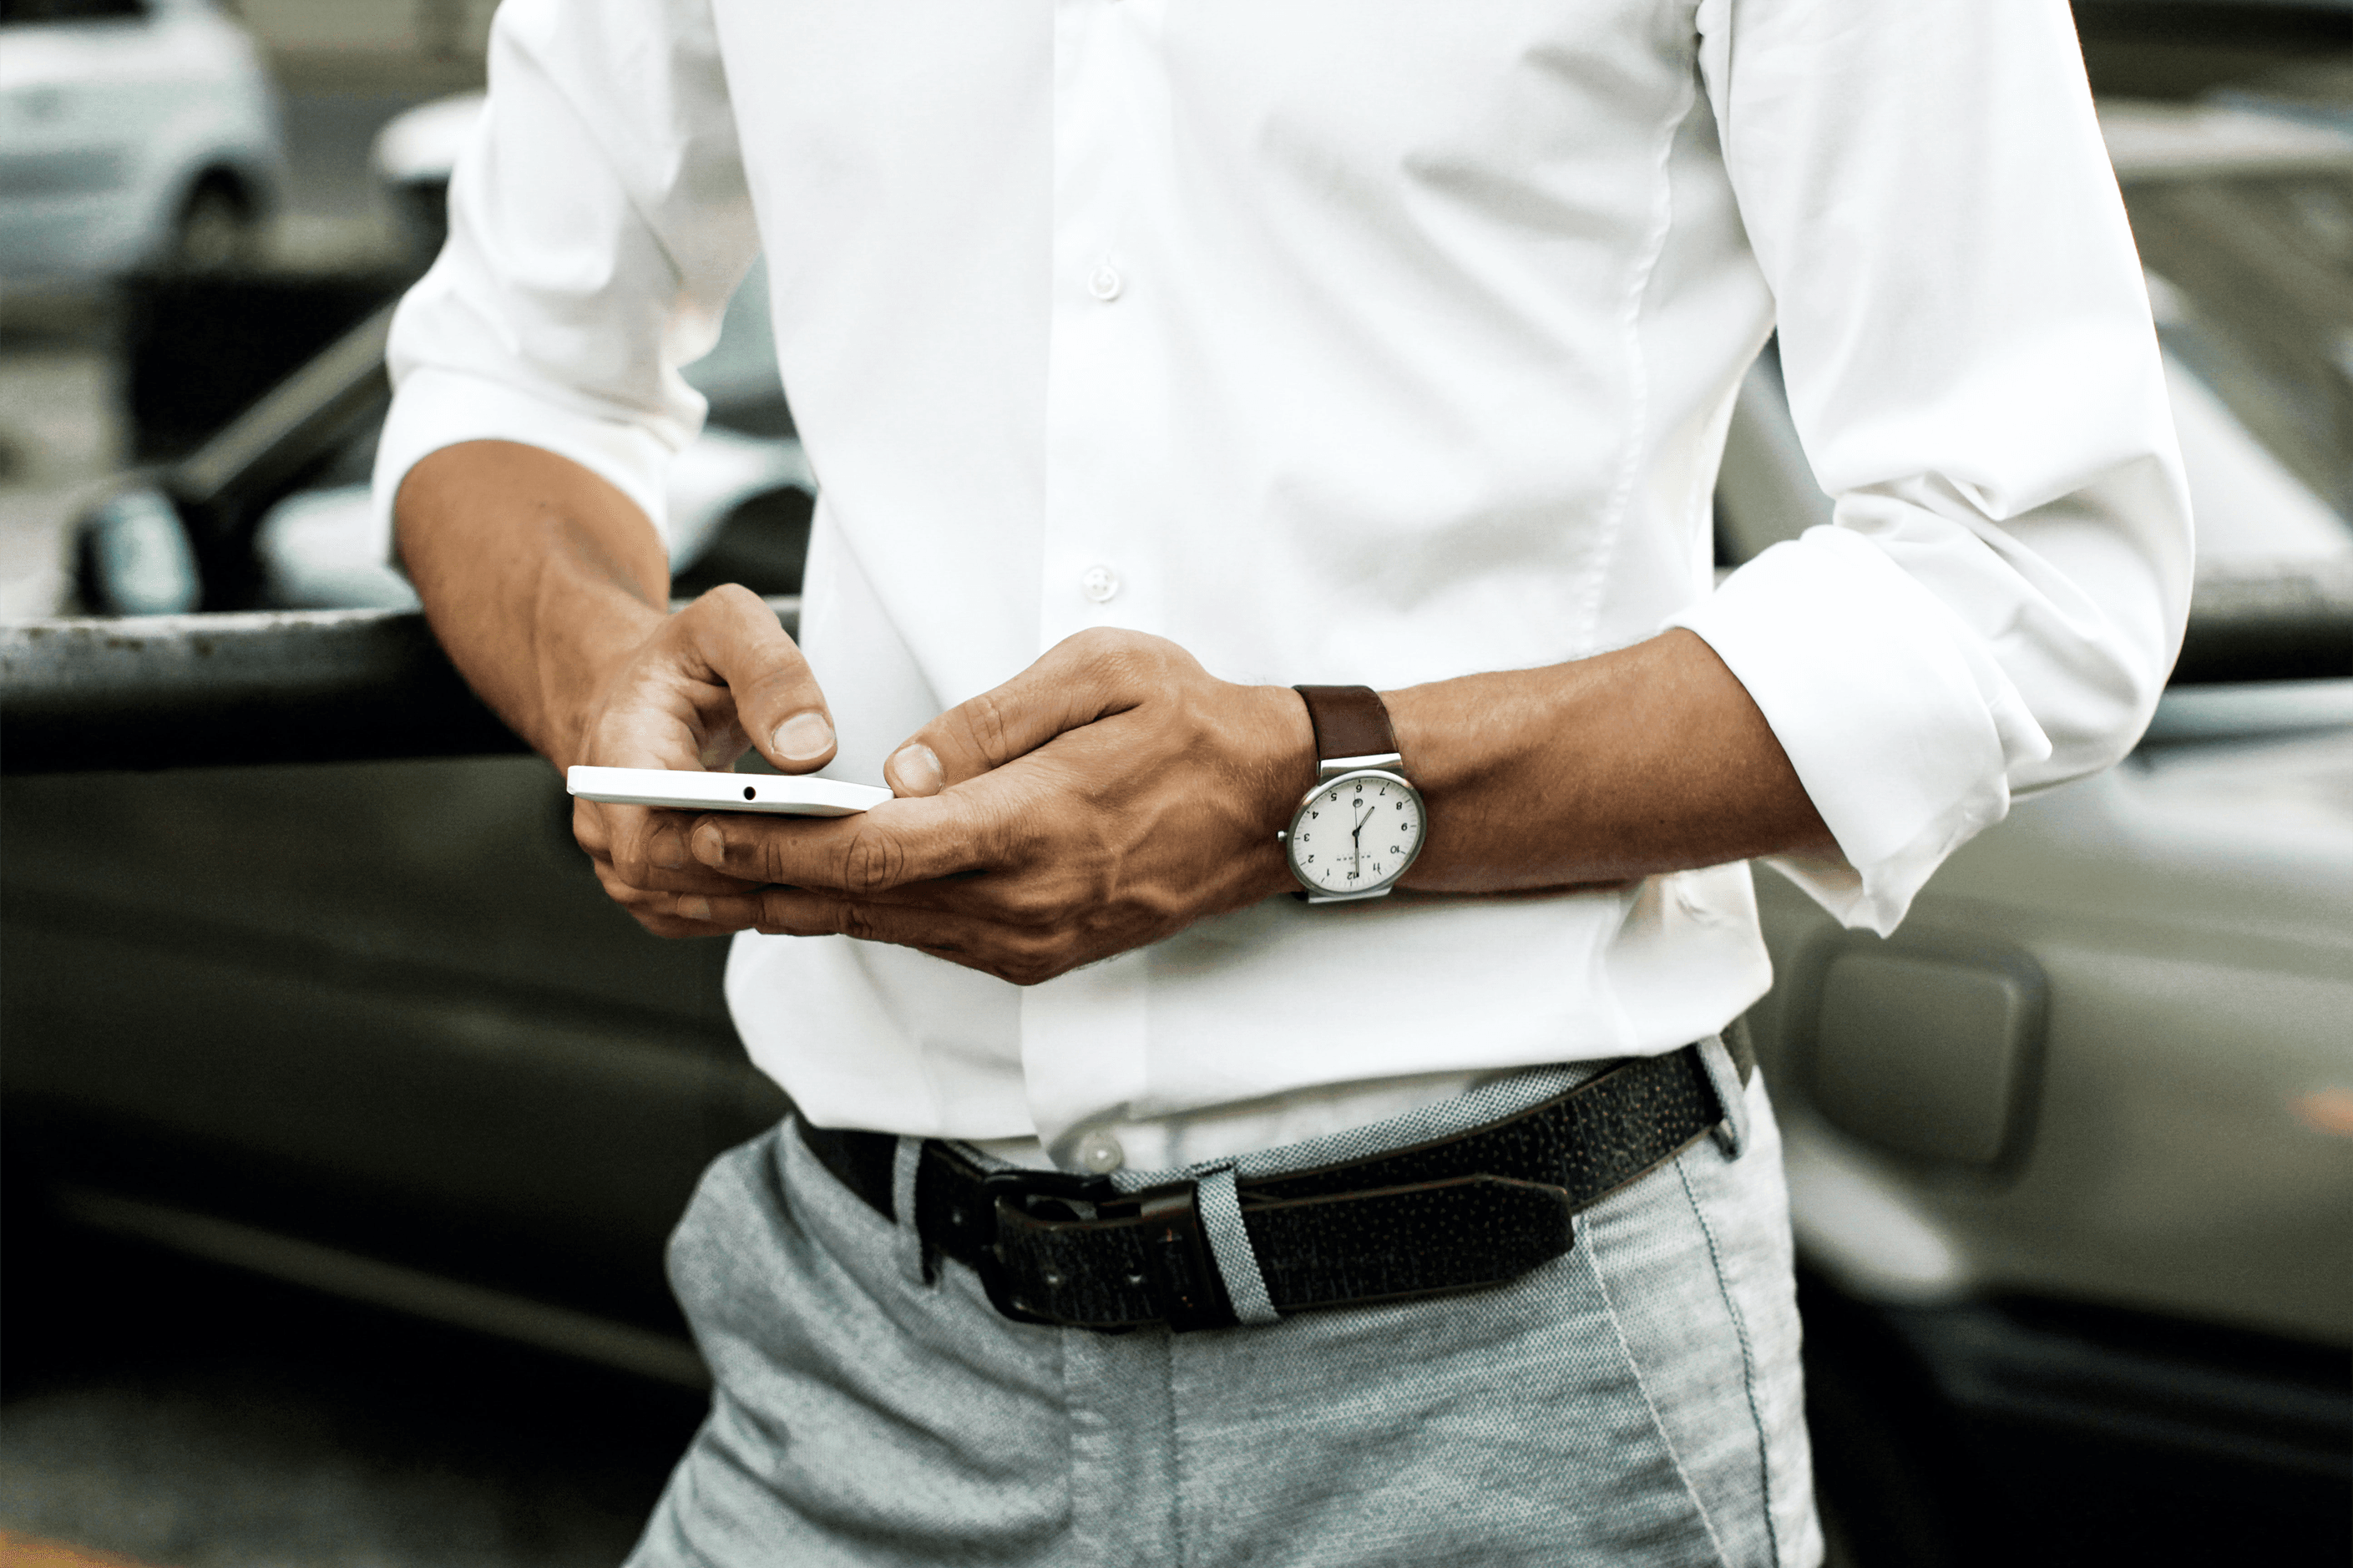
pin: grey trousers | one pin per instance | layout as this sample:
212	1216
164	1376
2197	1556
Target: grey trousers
1636	1401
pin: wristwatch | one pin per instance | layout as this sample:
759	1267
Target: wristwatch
1358	830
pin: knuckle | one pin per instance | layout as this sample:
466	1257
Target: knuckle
629	862
758	859
588	831
617	888
1028	964
987	726
872	861
1023	901
779	914
763	860
1119	649
1100	642
727	598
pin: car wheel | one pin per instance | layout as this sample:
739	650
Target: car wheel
217	231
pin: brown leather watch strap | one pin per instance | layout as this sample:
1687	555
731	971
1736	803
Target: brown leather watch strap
1350	722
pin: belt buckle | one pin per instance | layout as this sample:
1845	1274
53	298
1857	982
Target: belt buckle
1023	1191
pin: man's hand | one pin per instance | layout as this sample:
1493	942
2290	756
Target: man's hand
1109	795
551	592
714	680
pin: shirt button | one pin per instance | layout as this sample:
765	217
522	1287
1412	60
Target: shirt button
1103	283
1101	1153
1099	584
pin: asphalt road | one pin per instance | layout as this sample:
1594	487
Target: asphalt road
188	1417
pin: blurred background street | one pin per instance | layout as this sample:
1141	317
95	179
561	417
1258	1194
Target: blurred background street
337	1175
341	69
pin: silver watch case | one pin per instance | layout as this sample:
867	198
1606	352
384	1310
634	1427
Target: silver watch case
1331	771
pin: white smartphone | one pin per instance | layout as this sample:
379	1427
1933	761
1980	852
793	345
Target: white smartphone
684	789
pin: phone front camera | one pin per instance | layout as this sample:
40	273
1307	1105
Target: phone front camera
748	792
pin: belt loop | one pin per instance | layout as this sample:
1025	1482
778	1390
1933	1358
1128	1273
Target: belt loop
1230	1243
1724	1077
916	1263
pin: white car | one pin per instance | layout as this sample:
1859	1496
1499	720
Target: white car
133	133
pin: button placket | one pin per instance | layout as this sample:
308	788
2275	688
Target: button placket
1104	442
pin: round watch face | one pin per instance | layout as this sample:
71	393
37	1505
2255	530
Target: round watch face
1357	834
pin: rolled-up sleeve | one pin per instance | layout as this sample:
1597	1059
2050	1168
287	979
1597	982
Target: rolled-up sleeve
598	223
1966	342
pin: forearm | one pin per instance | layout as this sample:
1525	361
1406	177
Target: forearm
539	577
1648	759
1115	792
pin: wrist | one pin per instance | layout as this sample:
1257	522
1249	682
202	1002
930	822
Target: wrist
1283	772
1362	825
581	669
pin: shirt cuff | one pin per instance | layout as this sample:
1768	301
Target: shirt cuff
435	409
1893	716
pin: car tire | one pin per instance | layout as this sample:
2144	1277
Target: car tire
217	231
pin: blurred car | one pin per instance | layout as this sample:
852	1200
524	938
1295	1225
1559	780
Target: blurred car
2069	1156
133	133
411	159
273	512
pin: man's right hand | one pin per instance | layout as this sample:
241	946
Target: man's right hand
551	592
715	680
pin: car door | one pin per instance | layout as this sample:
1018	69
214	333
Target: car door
379	1007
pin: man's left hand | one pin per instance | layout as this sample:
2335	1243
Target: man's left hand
1109	795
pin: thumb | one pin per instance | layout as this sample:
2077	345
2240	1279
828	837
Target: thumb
1080	679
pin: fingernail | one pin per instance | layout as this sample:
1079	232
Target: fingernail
804	736
692	908
710	845
915	770
667	851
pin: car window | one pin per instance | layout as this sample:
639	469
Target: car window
2254	299
2250	506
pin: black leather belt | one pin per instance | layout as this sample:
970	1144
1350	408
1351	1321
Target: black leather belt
1476	1209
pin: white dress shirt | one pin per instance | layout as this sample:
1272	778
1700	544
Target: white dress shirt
1352	341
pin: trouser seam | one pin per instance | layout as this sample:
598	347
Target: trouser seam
1591	1251
1747	1360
